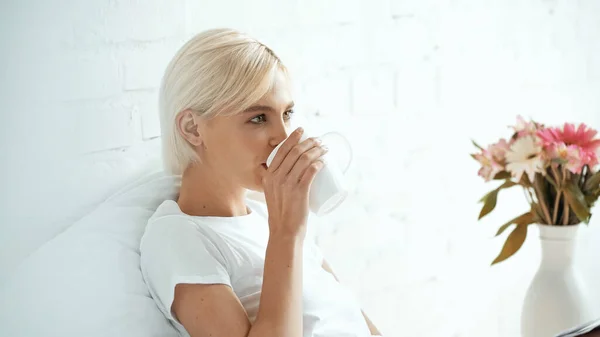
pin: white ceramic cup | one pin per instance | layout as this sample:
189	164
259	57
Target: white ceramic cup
328	189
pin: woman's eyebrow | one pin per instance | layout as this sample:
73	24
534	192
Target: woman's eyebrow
260	107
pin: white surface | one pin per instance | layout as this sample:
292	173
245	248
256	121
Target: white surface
409	82
557	298
87	280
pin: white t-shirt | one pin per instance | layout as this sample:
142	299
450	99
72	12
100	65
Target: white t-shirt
179	248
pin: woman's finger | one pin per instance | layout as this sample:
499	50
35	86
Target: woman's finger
295	154
305	160
285	148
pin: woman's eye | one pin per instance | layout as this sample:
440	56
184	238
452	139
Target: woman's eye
262	117
258	119
289	113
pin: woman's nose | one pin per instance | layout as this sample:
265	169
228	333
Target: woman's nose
279	133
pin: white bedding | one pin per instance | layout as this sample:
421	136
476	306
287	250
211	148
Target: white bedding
49	199
86	281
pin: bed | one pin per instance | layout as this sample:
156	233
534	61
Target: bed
85	280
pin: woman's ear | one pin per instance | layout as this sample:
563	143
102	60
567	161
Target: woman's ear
188	126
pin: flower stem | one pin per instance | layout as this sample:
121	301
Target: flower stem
555	210
566	213
557	177
542	201
559	183
566	204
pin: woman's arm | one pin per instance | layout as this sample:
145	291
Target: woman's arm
280	309
372	327
214	310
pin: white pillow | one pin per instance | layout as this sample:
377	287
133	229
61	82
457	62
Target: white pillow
47	201
87	280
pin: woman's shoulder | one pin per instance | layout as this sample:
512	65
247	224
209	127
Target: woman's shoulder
168	218
168	226
172	237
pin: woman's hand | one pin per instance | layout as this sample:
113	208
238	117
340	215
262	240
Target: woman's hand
287	182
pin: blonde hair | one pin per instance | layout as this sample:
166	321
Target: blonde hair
217	72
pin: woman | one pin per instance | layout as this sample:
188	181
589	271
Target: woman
216	262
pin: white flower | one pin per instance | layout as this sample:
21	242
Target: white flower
525	155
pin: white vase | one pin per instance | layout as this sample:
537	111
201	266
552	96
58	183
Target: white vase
557	298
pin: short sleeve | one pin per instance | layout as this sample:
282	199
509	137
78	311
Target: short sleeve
179	252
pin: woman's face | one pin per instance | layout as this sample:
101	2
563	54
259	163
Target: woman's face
238	146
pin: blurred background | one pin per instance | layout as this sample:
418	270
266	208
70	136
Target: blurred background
409	82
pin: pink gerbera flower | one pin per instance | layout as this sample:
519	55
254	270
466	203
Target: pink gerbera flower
581	137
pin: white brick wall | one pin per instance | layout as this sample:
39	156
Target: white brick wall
409	82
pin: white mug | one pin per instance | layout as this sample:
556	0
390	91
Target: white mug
328	189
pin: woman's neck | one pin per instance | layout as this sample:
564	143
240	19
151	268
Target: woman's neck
204	193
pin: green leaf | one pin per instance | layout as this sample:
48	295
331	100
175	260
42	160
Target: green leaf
592	183
477	145
489	200
577	202
521	220
502	175
559	161
537	211
551	181
591	200
513	243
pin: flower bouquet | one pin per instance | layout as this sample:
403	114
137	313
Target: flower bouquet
555	166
